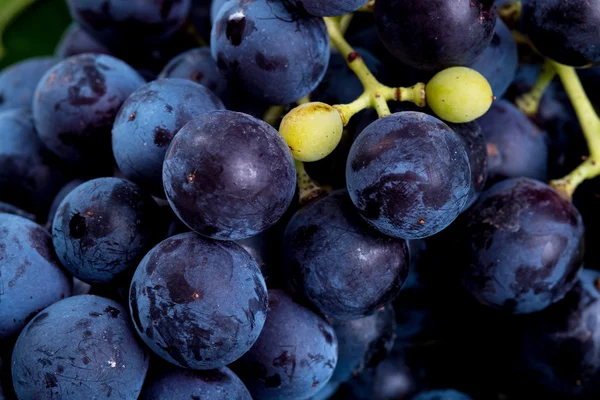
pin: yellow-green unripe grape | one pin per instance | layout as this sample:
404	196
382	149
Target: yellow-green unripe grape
312	131
459	94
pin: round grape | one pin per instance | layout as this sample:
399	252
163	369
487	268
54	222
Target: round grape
459	94
312	131
409	175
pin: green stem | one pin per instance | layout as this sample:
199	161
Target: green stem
529	102
376	95
8	12
590	125
308	188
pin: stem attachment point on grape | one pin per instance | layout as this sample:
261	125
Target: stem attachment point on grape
308	189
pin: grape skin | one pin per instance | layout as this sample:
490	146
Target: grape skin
31	276
147	122
133	23
564	30
228	175
269	49
516	147
521	247
83	347
435	34
198	66
330	8
409	175
19	81
198	303
343	266
499	61
76	103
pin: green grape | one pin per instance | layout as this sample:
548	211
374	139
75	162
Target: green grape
312	131
459	94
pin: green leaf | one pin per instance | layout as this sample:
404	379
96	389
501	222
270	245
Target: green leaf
30	28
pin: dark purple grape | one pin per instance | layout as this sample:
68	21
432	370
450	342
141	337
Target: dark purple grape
18	82
198	303
198	66
343	266
30	175
516	147
83	347
435	34
521	247
331	8
184	384
499	61
31	277
270	49
76	41
147	122
560	348
75	106
140	22
408	174
475	145
103	228
295	355
564	30
228	175
363	343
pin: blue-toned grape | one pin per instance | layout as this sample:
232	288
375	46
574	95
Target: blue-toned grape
516	147
75	106
564	30
295	355
83	347
521	247
435	34
228	175
31	277
333	8
198	303
409	175
441	394
215	7
183	384
104	227
147	122
270	49
343	266
76	41
30	175
475	145
363	343
141	22
560	347
18	82
62	193
499	61
10	209
198	66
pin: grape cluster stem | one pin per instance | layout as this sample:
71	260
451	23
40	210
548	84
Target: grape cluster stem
308	189
376	95
529	102
590	124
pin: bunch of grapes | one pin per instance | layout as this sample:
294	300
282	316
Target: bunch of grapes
303	199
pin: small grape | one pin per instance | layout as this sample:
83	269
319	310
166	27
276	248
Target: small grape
312	131
459	94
